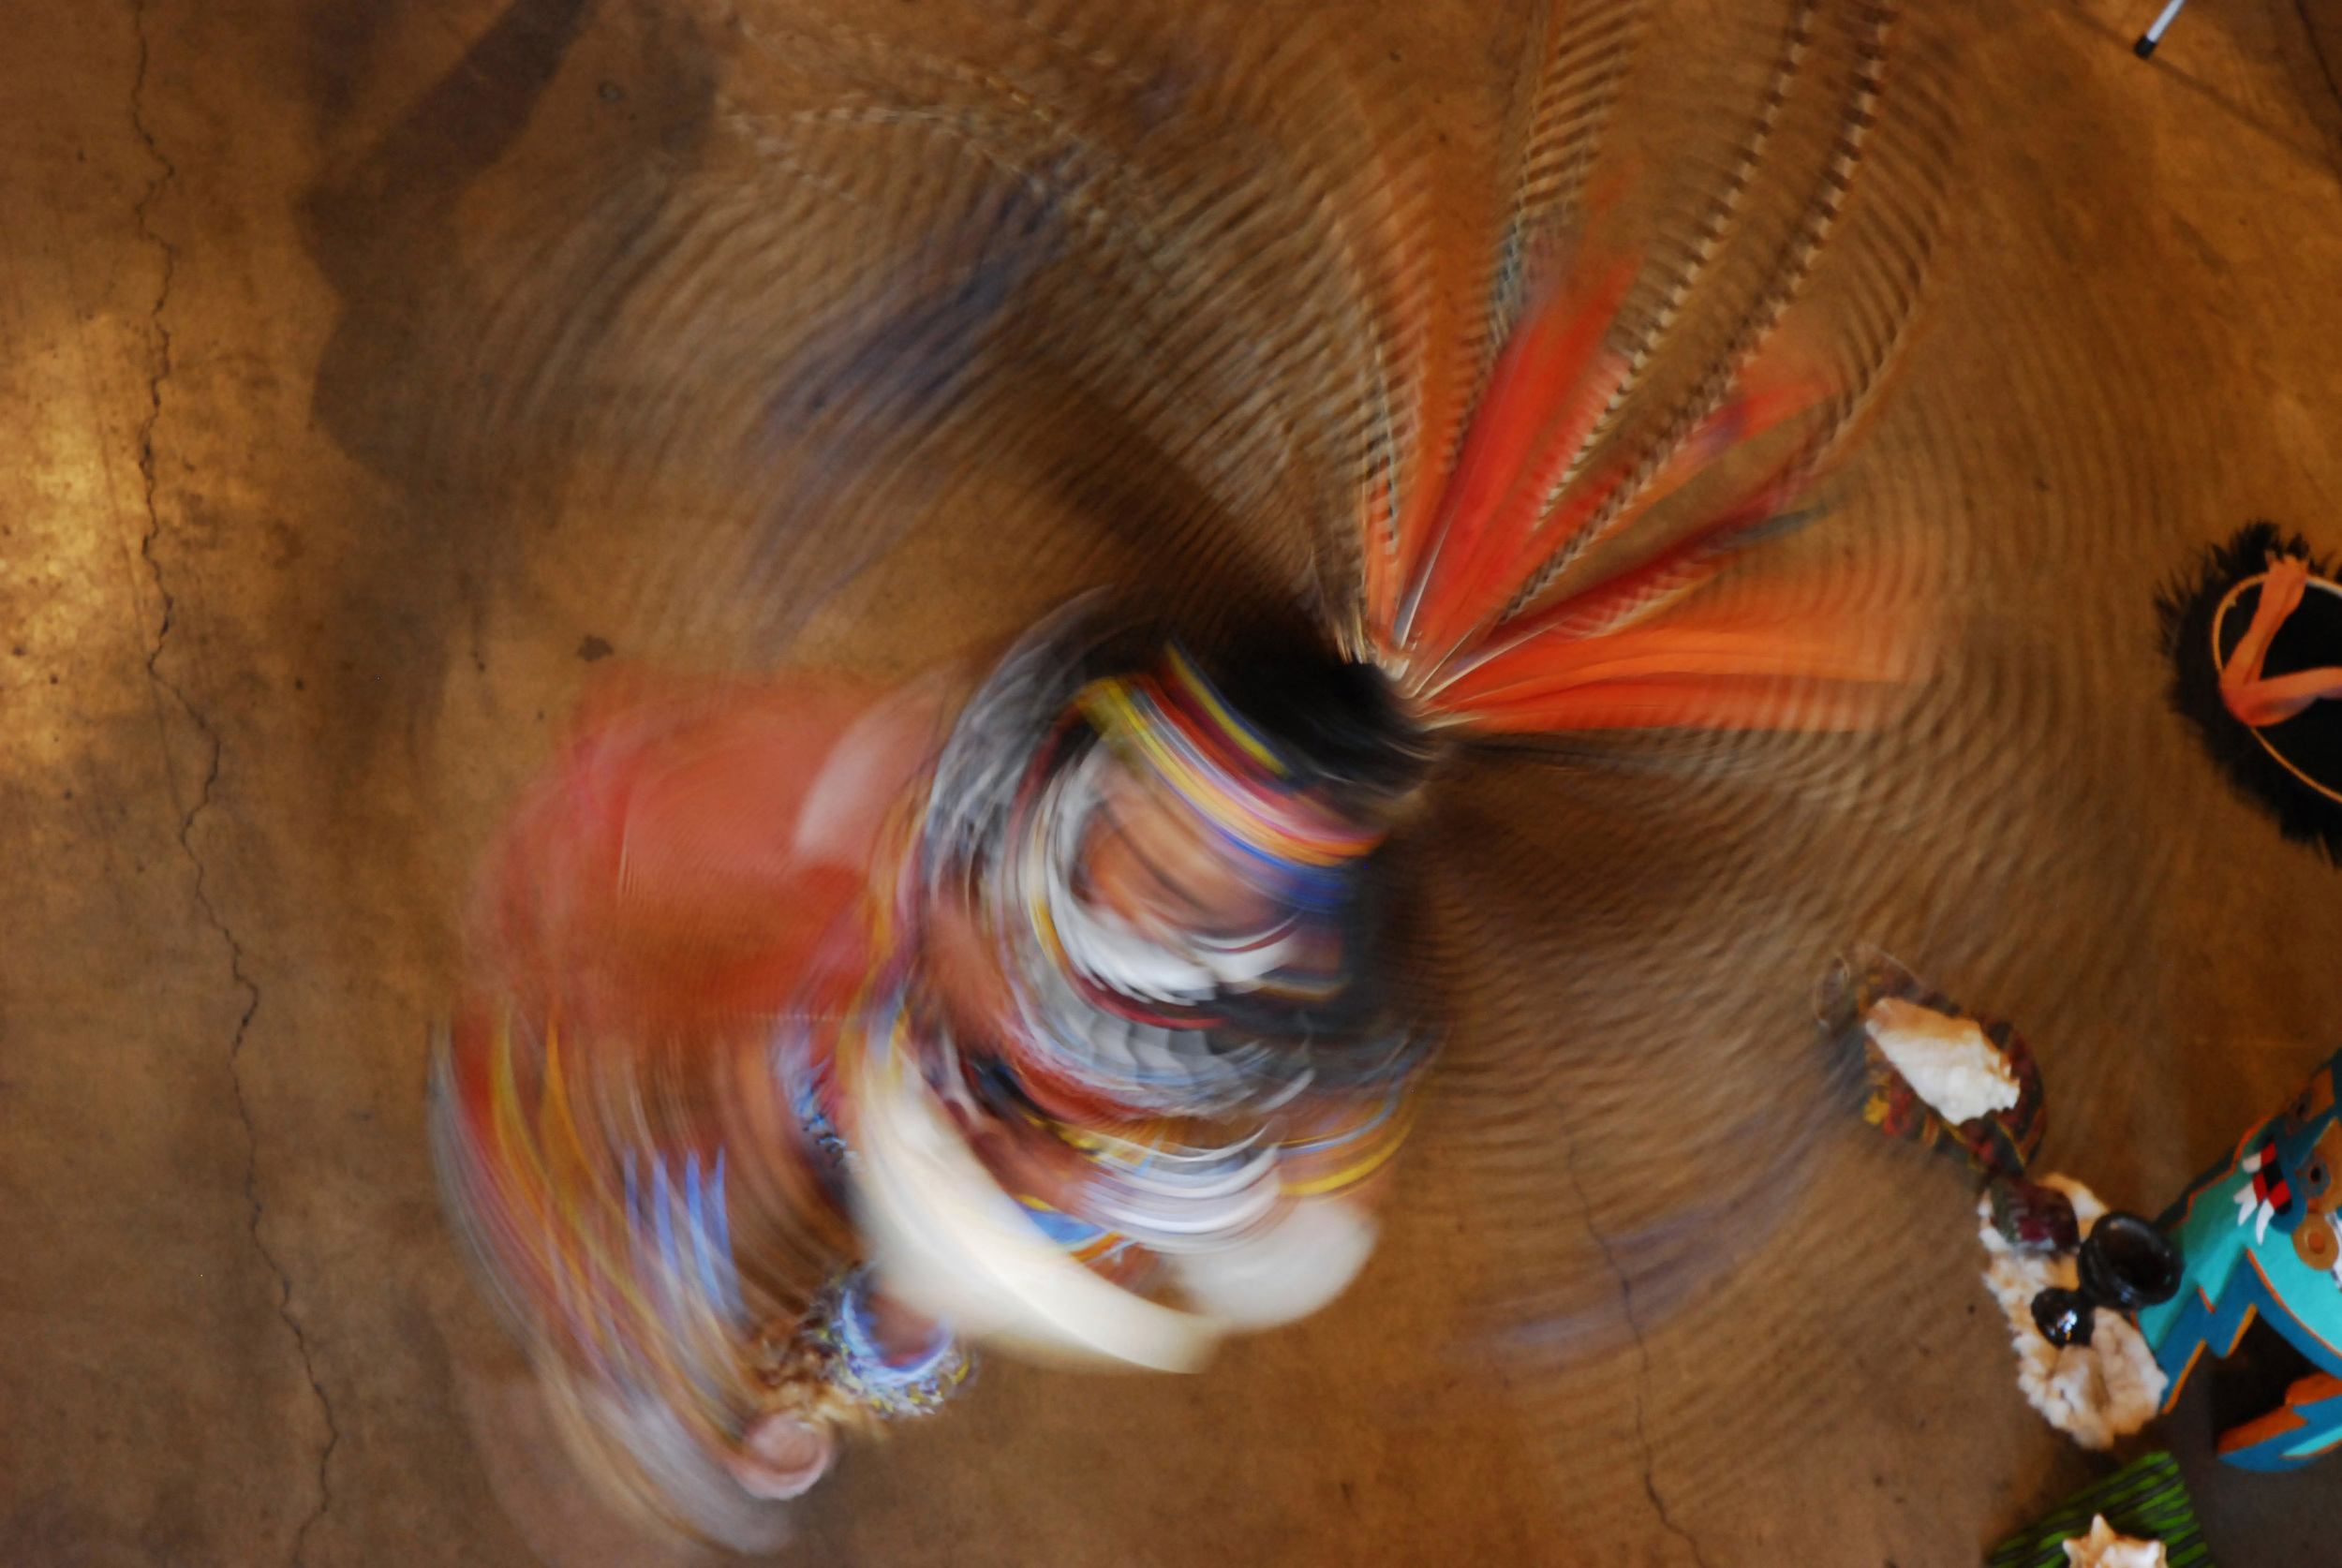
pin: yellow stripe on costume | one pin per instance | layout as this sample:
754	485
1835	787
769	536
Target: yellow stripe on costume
1235	728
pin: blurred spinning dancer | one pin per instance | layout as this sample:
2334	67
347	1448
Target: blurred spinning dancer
817	1033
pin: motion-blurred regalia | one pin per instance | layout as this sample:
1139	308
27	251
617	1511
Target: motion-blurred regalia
1076	997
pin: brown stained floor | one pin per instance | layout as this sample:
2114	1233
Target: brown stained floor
269	678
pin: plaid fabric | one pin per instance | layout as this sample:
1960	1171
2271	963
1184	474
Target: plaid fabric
2146	1500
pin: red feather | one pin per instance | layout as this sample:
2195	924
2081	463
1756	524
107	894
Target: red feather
1549	385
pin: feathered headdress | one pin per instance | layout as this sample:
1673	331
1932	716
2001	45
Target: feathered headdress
1497	584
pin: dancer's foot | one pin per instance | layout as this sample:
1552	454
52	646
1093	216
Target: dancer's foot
783	1457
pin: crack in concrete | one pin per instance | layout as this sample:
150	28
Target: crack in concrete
169	172
1642	1348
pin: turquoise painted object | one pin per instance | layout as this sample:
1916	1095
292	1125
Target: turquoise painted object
2257	1235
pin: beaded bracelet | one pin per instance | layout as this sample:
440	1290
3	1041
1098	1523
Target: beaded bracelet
860	1368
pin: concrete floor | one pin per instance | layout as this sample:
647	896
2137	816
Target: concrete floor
1654	1296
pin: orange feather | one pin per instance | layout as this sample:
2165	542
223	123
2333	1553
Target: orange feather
1549	386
